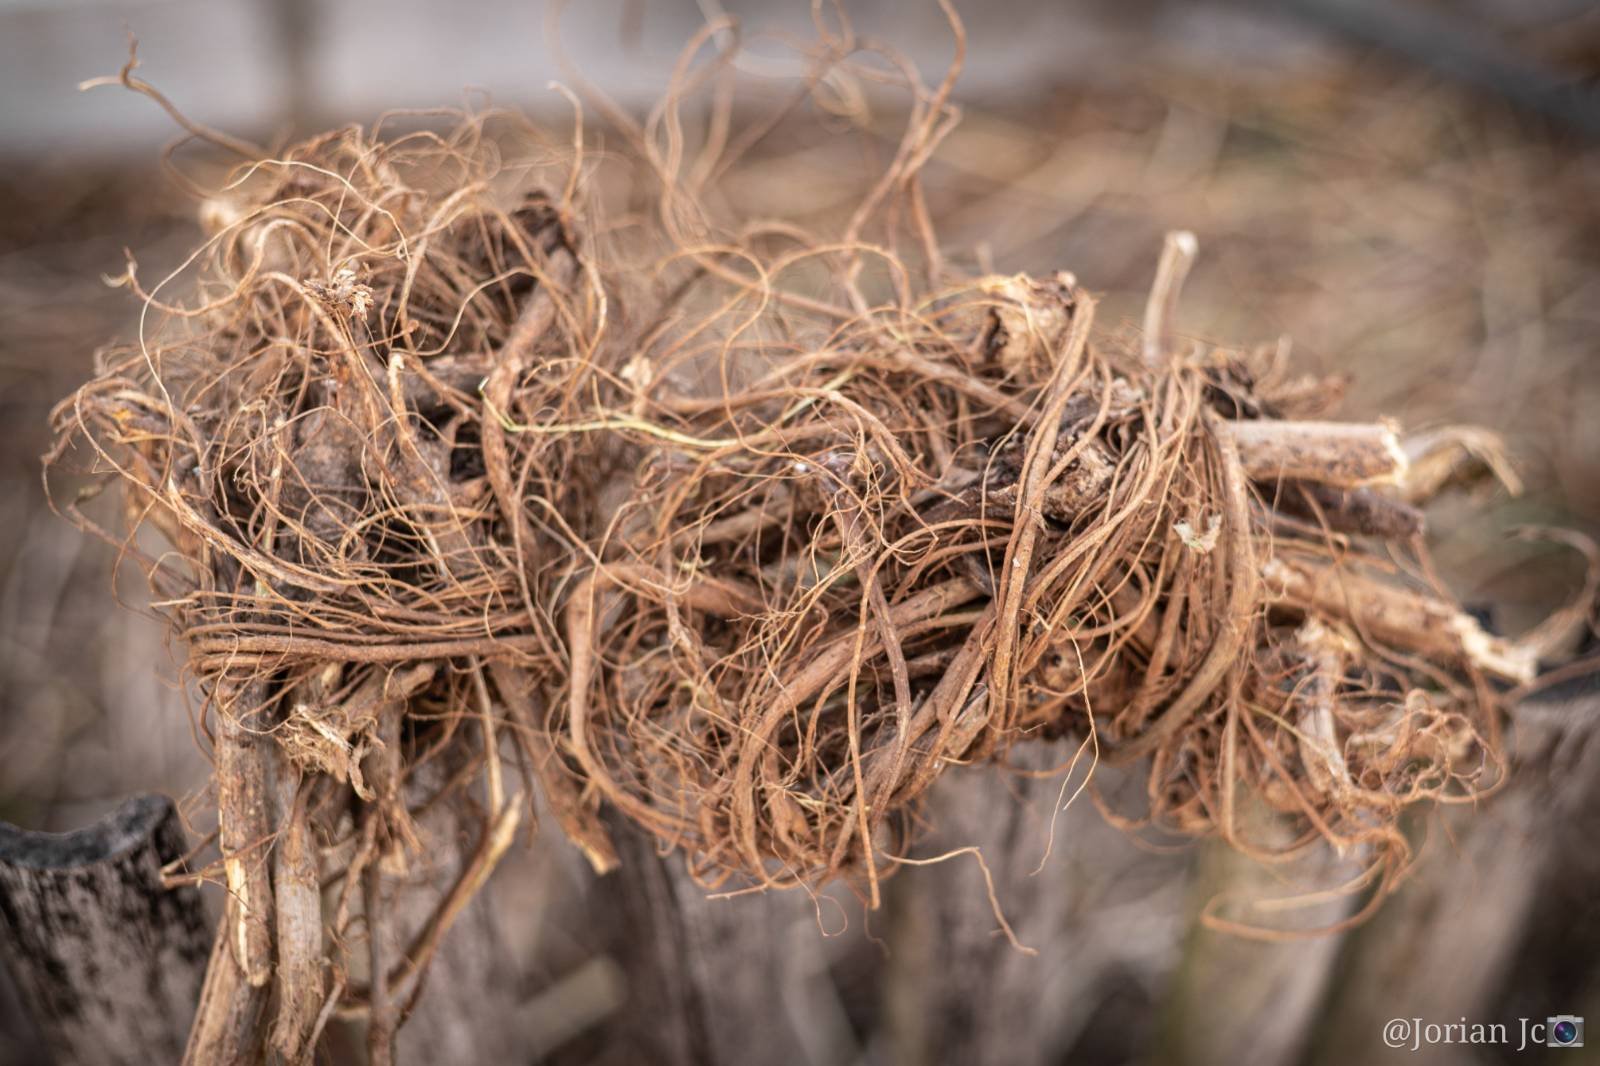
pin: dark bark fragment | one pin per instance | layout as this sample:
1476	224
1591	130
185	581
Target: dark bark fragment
108	961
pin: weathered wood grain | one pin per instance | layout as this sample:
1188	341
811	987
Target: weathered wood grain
1243	1000
781	977
108	961
1105	917
708	980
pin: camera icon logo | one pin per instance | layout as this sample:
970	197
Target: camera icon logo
1563	1030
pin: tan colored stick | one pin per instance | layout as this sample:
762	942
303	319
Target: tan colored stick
245	823
1408	620
1177	256
1440	456
227	1024
1320	752
1366	512
1346	454
298	978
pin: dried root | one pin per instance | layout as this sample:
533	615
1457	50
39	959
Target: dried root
743	533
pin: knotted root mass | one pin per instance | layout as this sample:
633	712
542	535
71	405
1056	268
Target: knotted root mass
486	468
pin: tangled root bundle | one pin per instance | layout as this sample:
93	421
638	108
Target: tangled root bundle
479	478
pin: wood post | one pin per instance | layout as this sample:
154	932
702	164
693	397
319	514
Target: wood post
717	981
108	961
1101	917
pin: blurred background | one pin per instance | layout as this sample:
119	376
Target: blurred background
1407	189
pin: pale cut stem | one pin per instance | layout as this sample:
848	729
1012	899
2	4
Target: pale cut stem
244	801
298	899
1411	621
1440	456
1346	454
1177	256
